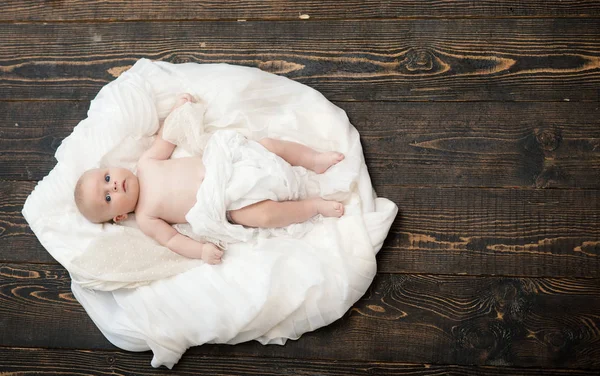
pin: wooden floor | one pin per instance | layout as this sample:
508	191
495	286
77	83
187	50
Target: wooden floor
479	119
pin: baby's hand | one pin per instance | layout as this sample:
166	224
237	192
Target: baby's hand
211	254
183	99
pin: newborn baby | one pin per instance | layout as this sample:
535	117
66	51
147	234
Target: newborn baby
164	191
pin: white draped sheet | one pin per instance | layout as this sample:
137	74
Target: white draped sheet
272	286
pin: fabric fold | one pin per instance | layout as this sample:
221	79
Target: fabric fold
239	173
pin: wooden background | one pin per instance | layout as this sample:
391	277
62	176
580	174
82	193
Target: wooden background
480	119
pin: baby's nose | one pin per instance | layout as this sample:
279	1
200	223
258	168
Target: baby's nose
115	186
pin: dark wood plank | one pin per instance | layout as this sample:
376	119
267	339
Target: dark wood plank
543	145
493	231
80	10
34	361
508	232
476	321
410	60
17	241
30	133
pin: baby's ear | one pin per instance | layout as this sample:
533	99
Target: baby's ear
119	218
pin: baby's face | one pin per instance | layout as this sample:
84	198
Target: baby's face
110	192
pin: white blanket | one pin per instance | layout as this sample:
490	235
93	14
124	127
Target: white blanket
239	173
271	286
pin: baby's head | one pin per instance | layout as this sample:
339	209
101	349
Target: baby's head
102	194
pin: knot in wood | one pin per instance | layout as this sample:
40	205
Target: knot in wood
548	139
418	59
279	66
475	335
180	59
558	338
549	175
110	359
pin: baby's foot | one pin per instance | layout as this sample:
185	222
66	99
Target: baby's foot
330	208
183	99
325	160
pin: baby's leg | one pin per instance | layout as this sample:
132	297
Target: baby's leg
280	214
299	155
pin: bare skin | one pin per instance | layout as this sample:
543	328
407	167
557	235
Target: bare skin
164	191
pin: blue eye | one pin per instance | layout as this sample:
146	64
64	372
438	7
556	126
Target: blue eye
107	198
107	178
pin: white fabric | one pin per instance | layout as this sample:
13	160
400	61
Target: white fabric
185	127
269	288
239	173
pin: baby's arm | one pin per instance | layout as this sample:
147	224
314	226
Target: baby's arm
167	236
160	149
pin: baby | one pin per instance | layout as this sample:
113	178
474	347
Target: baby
164	191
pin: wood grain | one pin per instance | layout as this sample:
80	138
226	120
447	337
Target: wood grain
545	322
539	145
34	361
468	112
30	134
495	231
411	60
542	145
79	10
17	241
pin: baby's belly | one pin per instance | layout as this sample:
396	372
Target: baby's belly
177	207
182	179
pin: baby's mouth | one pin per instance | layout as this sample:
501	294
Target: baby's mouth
124	189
